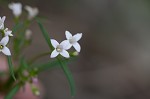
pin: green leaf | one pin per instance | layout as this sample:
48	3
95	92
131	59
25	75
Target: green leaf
50	64
46	66
13	91
11	67
45	34
68	75
32	60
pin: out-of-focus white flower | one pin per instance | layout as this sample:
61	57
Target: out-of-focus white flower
73	40
8	32
3	47
32	12
16	8
28	34
2	19
59	49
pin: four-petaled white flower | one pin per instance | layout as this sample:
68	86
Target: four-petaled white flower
16	8
8	32
3	47
73	40
2	22
59	49
32	12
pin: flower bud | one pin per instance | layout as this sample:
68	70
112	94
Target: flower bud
34	80
75	53
25	73
28	34
35	90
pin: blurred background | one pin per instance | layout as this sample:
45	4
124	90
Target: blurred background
114	62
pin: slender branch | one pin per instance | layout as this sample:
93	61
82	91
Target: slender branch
37	57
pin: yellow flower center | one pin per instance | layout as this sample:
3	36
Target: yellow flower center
1	46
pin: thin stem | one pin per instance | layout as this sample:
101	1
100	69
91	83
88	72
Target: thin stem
37	57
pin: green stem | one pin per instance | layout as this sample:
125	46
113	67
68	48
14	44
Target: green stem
37	57
11	69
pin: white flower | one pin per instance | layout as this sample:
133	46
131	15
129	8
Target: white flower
28	34
16	8
2	22
59	49
32	12
8	32
73	40
3	47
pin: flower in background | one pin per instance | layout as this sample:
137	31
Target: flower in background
73	40
2	19
59	49
28	34
35	80
8	32
16	8
3	47
32	12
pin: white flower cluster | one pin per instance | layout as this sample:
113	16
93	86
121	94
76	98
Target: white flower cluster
17	10
5	33
66	44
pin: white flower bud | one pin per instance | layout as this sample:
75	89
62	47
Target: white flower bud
28	34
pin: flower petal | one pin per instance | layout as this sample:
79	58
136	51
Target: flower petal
3	18
66	45
77	47
16	8
54	54
4	40
2	27
54	43
68	35
32	11
8	32
6	51
64	53
77	36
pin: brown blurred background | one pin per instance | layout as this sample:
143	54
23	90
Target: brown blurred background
115	59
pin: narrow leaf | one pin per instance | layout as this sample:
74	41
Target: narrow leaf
45	66
45	34
13	91
68	75
11	67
